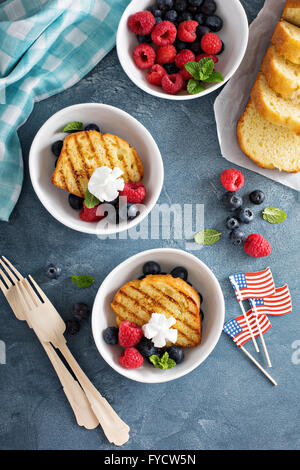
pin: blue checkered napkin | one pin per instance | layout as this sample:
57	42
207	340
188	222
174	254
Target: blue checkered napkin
46	46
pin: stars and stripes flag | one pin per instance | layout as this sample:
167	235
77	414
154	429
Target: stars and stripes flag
279	303
253	285
238	330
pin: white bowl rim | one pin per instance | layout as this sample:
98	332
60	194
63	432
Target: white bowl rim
209	90
93	229
220	320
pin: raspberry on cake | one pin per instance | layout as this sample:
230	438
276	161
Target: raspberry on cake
135	192
130	334
164	33
144	56
141	23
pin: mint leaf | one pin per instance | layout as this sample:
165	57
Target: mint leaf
83	281
207	236
90	200
73	126
194	87
216	77
206	67
274	215
163	362
194	69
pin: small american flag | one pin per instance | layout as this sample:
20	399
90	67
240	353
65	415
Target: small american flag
279	303
248	285
238	330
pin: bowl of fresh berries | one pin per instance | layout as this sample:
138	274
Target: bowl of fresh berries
182	49
158	315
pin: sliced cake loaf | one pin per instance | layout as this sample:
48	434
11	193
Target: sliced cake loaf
286	39
282	76
273	107
291	12
268	145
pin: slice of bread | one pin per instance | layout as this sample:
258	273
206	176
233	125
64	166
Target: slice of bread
273	107
291	12
268	145
286	39
282	76
138	299
85	151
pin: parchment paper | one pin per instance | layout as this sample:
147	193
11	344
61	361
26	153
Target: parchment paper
232	101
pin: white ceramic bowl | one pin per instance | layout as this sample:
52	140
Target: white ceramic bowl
213	307
109	119
234	34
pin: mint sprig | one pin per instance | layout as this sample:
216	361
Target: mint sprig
208	236
274	215
163	362
73	126
83	281
90	200
202	71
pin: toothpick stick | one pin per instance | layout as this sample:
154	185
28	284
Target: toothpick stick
240	300
262	337
258	365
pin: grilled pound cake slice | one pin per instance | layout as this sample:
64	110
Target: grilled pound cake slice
291	12
268	145
85	151
282	75
273	107
286	39
138	299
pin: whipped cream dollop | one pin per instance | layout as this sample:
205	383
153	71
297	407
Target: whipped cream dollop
106	183
159	330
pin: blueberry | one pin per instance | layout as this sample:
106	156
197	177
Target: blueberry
132	211
237	237
56	147
176	353
201	30
195	3
111	335
202	314
196	47
180	5
151	267
75	202
72	327
245	215
215	23
144	39
114	203
200	18
185	16
53	272
179	271
201	297
257	197
179	45
192	9
155	11
158	19
222	49
81	311
92	127
232	201
232	223
141	277
55	162
208	7
171	16
171	68
165	4
147	348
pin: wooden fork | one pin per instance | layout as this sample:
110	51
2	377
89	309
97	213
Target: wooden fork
46	321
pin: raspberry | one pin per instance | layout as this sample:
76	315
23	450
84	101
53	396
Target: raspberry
131	358
165	54
144	56
187	31
211	43
164	33
141	23
185	74
135	192
183	57
130	334
232	179
257	246
155	74
172	84
90	215
202	56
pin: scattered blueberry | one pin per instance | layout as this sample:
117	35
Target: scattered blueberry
147	348
151	267
180	5
72	327
56	147
232	223
232	201
208	7
53	272
176	353
132	212
171	68
201	30
214	22
165	4
92	127
237	237
171	16
146	39
257	197
200	18
110	335
81	311
179	271
245	215
75	202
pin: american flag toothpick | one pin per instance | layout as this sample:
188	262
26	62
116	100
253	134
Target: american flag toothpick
277	304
